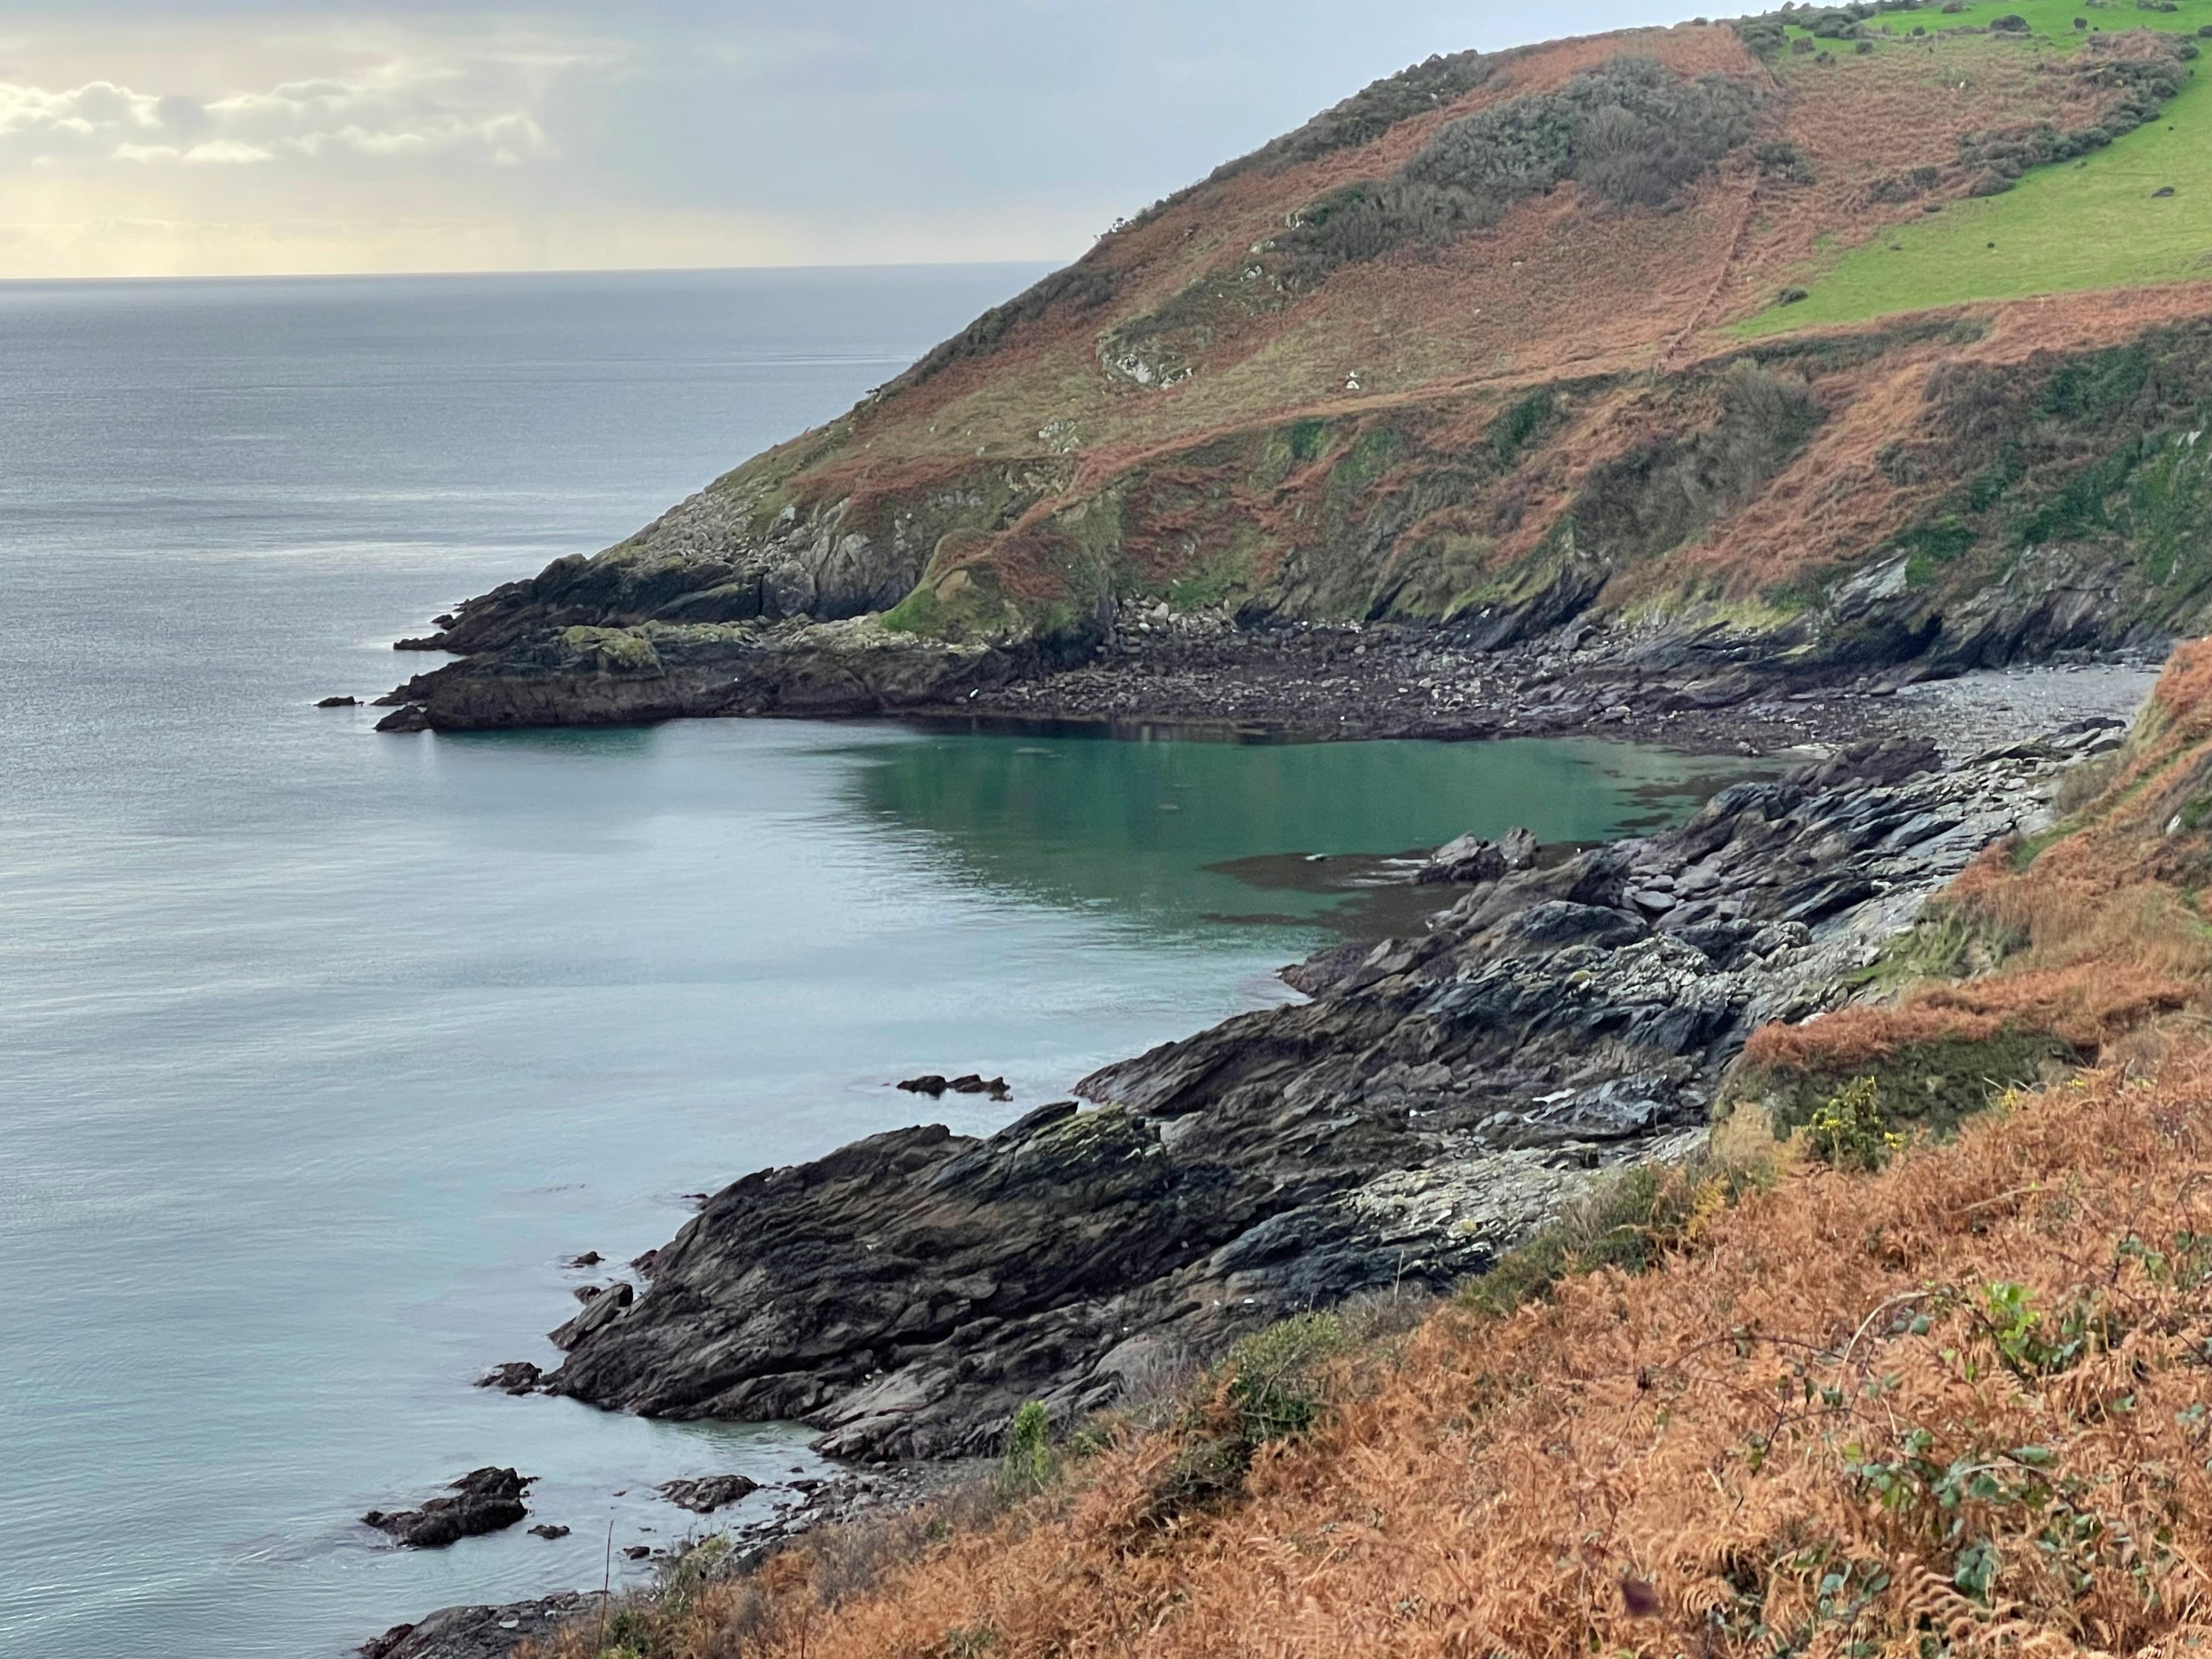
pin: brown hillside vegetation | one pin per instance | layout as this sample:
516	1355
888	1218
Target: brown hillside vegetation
2081	937
1457	352
1958	1407
1961	1406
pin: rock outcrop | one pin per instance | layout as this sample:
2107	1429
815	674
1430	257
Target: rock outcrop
485	1500
1439	1097
709	1492
480	1633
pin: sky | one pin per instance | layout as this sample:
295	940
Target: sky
202	138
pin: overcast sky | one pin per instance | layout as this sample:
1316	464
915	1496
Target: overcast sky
204	136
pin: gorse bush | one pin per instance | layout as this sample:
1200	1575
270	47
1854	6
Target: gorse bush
1633	133
1276	1383
1850	1131
1655	498
1369	114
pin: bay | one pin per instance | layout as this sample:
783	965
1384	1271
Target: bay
320	1050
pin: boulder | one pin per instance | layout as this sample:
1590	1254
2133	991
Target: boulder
481	1632
711	1492
485	1500
1471	860
515	1377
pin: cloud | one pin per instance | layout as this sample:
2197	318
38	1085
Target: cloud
405	111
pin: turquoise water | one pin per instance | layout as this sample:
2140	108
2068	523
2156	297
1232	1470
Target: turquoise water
318	1049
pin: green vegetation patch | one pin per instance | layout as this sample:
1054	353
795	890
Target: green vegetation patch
1929	1086
1628	1222
613	650
1657	497
2072	215
1633	133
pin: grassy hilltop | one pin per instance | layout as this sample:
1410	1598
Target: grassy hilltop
2094	222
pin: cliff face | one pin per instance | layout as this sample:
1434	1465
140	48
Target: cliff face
1474	349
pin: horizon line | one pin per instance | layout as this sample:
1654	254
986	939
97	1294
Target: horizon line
532	270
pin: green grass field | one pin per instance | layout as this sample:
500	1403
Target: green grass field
2086	224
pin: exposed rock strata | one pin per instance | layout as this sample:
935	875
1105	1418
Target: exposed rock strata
593	676
1439	1097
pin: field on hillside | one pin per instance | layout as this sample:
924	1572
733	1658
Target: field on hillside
2092	223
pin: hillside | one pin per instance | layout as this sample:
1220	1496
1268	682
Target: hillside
1827	342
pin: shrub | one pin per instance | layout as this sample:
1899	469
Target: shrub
1276	1387
1629	1222
1784	162
1851	1132
1028	1464
1368	114
1632	132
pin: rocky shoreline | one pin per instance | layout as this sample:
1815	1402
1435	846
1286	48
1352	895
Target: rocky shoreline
1688	689
1439	1096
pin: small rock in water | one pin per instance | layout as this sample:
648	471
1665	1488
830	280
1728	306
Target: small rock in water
485	1500
547	1529
339	702
706	1495
1471	859
933	1085
410	717
515	1377
637	1551
589	1259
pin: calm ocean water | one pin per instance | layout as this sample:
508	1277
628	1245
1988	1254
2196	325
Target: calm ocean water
318	1049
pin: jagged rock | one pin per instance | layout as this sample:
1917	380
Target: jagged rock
486	1500
601	1312
1471	859
711	1492
1438	1097
515	1377
408	717
337	702
480	1633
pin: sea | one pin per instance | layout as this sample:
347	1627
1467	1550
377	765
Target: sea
320	1050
